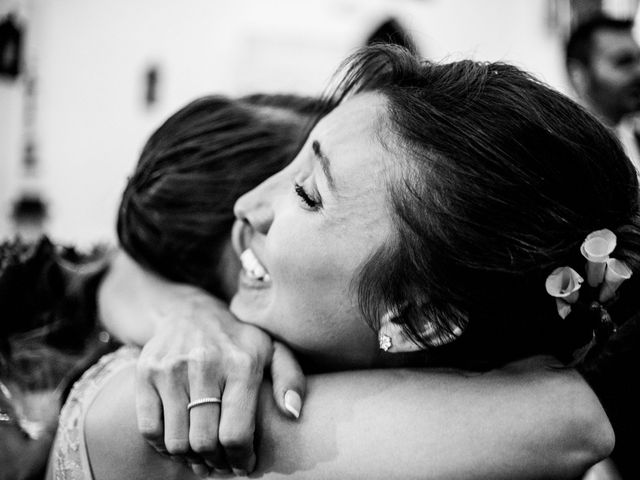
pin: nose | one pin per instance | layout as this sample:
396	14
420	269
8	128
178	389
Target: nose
256	206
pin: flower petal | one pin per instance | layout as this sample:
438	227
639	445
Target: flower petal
564	282
598	245
596	249
564	309
616	273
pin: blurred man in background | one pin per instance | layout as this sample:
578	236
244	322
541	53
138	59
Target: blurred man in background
603	64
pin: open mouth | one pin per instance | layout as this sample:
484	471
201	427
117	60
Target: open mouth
253	274
252	267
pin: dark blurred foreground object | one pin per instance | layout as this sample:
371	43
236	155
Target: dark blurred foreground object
49	335
611	371
29	211
10	47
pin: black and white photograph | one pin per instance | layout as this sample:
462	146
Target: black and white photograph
319	239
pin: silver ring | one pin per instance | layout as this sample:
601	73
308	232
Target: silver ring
203	401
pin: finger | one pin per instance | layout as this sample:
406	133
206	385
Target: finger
204	418
200	469
176	416
237	420
289	382
220	465
149	409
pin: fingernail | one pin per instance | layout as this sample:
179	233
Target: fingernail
239	472
293	402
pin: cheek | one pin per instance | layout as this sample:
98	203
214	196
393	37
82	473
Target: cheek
330	328
312	271
312	285
311	261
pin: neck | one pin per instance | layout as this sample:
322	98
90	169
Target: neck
315	364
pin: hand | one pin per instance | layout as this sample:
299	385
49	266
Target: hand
201	350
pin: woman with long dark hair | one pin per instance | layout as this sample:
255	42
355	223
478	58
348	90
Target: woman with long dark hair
445	213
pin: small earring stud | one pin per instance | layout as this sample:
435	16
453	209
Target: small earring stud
384	341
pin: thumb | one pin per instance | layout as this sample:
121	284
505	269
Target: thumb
288	381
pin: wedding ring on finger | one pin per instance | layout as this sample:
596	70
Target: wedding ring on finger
203	401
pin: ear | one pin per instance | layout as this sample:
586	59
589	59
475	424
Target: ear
392	337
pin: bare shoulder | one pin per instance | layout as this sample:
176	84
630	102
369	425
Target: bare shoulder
115	448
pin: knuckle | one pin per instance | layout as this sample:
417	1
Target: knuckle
145	368
199	355
177	446
202	356
171	366
202	444
235	439
150	429
245	363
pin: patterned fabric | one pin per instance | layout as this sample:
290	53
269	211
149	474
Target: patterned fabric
69	460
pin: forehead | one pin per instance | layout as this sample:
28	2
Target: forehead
355	136
362	114
610	42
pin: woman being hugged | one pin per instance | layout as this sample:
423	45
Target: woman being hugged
175	217
424	215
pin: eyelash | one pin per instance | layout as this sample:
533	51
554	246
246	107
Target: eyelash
309	202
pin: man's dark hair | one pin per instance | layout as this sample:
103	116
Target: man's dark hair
580	42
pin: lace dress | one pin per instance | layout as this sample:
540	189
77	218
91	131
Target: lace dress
69	459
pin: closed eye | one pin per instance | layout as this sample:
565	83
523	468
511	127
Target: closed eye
306	198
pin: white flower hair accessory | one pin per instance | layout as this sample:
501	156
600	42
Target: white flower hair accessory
564	284
604	276
596	248
615	273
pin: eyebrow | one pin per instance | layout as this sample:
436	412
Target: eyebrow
325	163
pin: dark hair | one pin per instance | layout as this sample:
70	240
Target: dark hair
177	208
505	178
580	42
608	372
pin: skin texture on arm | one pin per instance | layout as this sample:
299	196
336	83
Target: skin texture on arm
133	286
522	421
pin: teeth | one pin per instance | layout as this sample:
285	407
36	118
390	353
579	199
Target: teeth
253	267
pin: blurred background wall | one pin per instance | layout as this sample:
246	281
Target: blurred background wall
95	77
